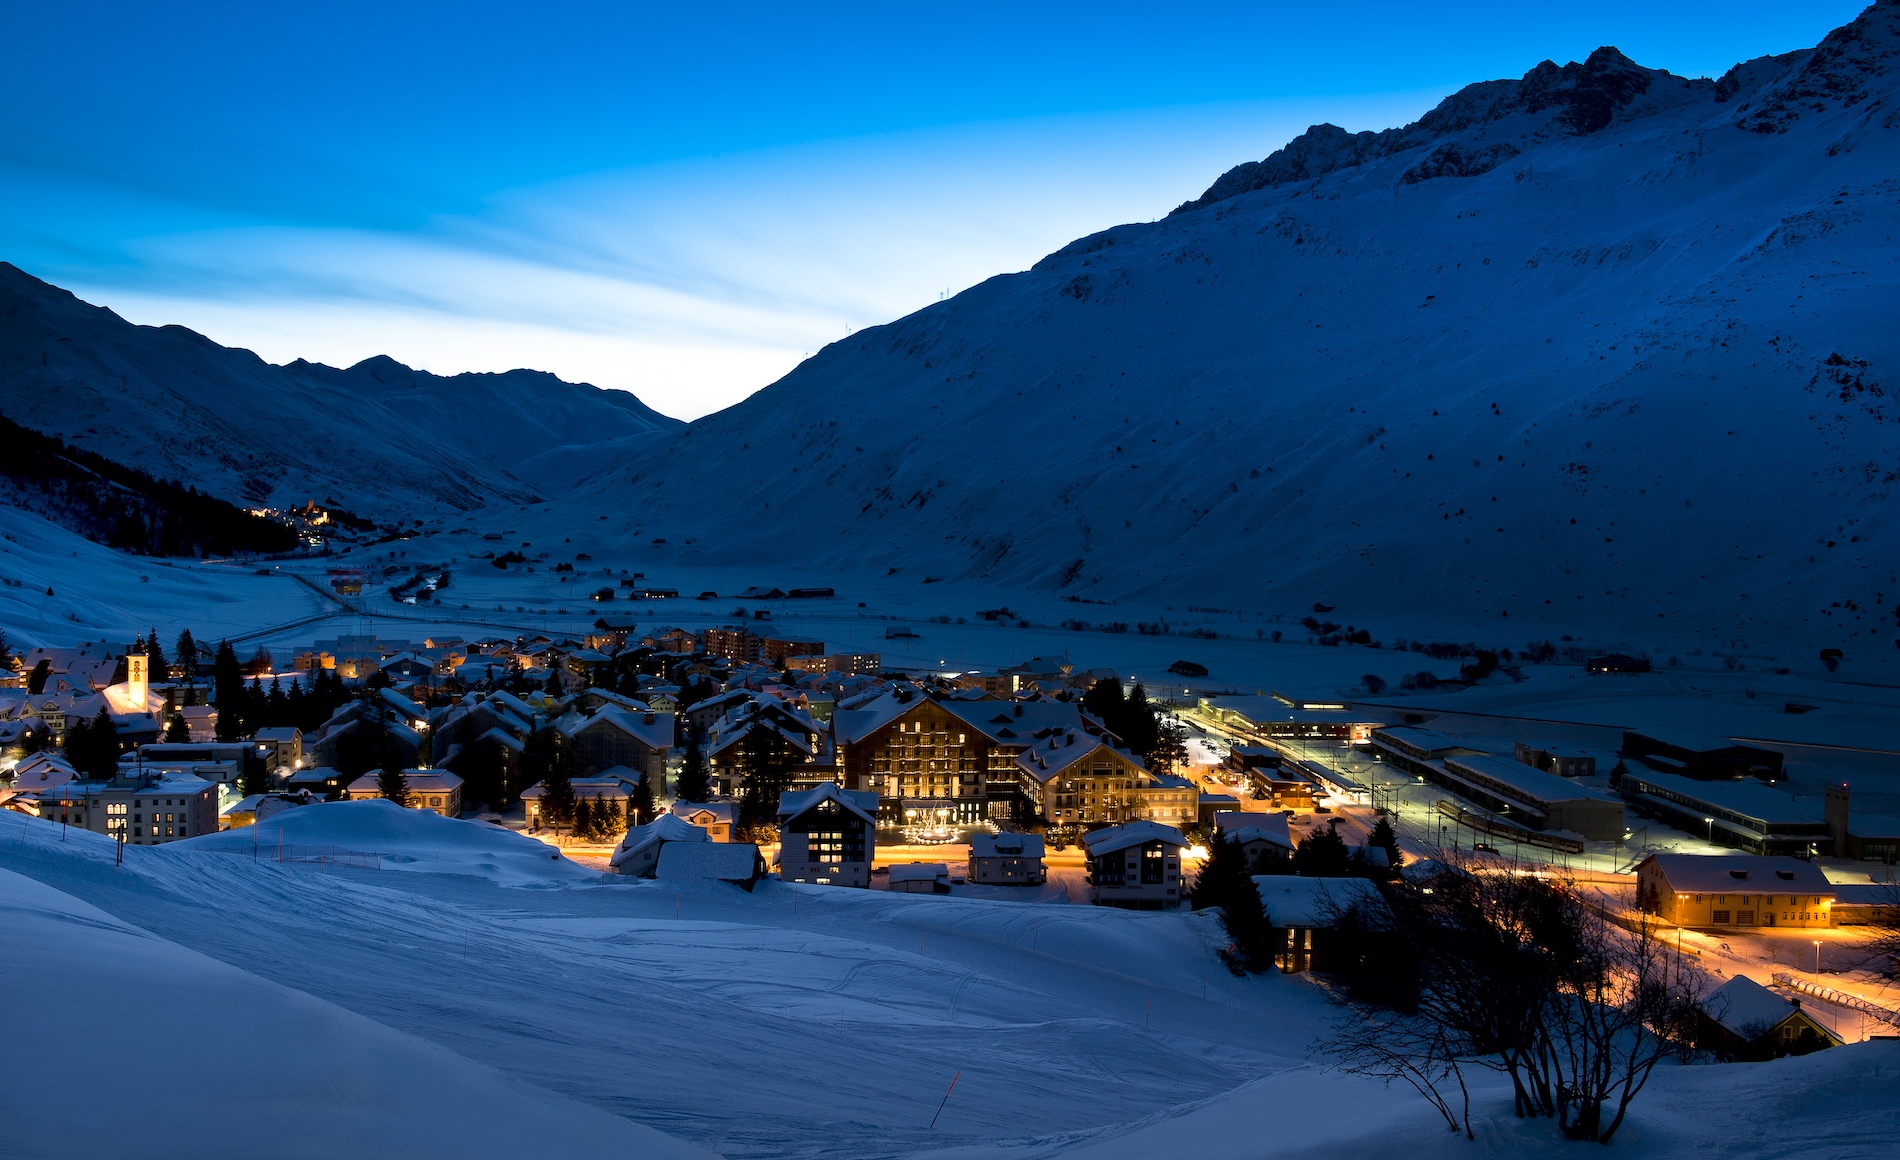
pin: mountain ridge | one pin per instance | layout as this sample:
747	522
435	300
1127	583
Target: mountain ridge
378	437
1674	303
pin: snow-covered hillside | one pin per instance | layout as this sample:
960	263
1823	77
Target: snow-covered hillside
1600	348
247	1007
379	438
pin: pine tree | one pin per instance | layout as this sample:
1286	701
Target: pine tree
1221	875
694	784
584	820
8	662
609	820
185	654
394	786
227	687
155	657
277	705
1140	729
98	754
177	732
1322	854
255	778
1385	838
557	796
765	758
554	680
640	808
1104	699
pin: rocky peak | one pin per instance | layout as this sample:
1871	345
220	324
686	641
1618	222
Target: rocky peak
1839	73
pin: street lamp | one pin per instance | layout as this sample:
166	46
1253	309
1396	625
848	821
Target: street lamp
1710	822
1817	956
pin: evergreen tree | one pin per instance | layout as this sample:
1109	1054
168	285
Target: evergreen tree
394	786
256	705
98	755
1140	729
557	797
640	808
1105	701
8	662
155	657
277	706
584	820
1322	854
609	821
1249	927
1221	875
553	688
694	783
1169	749
177	732
254	778
185	654
227	687
295	709
1385	838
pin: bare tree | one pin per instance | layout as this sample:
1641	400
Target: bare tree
1568	993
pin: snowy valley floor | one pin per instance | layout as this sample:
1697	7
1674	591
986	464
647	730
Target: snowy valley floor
477	997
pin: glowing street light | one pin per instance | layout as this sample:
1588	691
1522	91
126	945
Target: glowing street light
1817	956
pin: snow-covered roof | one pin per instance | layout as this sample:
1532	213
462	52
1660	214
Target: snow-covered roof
1314	903
920	872
1015	723
278	733
987	845
852	725
1746	1008
1133	834
700	861
654	730
665	828
1243	827
860	802
418	781
718	811
1740	874
1062	752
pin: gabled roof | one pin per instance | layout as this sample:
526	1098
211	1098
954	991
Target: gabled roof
1243	827
1314	903
418	780
1740	874
654	730
720	811
1013	723
920	872
665	828
861	803
1747	1009
1133	834
1061	753
852	725
986	845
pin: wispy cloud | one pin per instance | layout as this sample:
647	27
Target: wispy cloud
693	283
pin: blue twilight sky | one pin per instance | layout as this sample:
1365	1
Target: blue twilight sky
685	200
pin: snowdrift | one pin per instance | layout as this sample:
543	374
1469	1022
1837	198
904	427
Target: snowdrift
136	1045
394	838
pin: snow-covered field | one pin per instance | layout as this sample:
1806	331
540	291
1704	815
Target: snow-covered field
479	1003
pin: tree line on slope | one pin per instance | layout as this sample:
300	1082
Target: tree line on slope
125	508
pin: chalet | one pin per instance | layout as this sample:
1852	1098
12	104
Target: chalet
738	863
615	736
639	851
1007	860
1261	836
915	755
429	789
1744	1021
920	878
320	780
671	640
1137	865
613	786
827	836
713	817
283	746
1303	913
1725	891
1704	758
1073	778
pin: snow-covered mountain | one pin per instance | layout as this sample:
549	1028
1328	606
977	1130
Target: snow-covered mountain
1599	347
379	438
